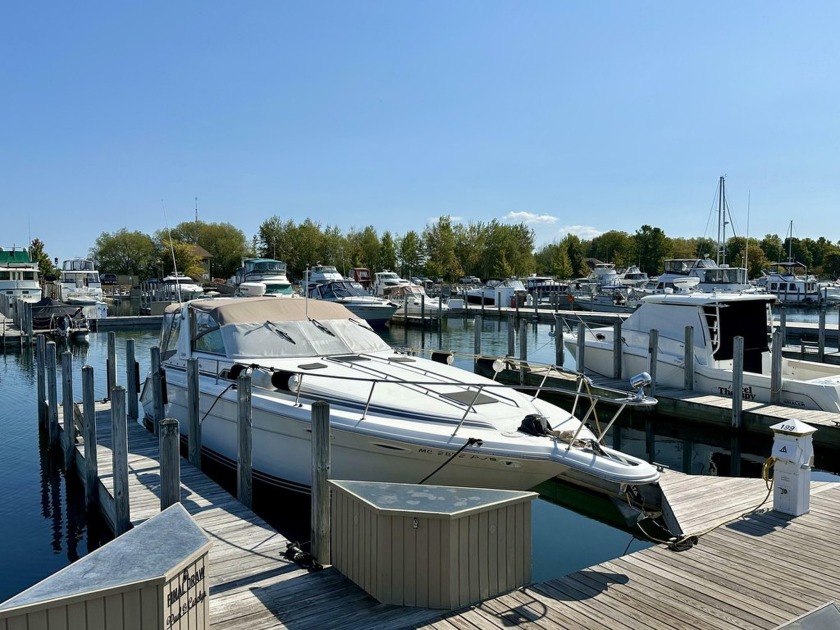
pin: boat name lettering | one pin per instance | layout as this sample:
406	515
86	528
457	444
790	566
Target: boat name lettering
794	403
188	580
746	393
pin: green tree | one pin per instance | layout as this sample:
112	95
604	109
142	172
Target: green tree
39	256
410	254
128	253
574	250
439	241
175	255
652	248
225	243
387	252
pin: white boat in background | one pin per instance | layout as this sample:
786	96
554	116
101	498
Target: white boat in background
79	284
394	416
710	276
268	272
376	311
789	286
19	276
319	274
414	302
499	292
633	277
386	281
180	288
603	275
717	318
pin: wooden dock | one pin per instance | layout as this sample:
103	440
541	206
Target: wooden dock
10	334
734	578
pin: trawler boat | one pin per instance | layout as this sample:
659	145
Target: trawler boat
717	318
394	416
791	283
374	310
499	292
18	276
633	277
320	274
269	273
79	284
386	281
710	276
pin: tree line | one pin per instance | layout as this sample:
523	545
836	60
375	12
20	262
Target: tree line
443	249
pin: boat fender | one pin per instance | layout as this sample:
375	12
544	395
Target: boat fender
281	379
535	424
443	357
235	370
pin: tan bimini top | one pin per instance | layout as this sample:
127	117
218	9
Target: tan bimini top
254	309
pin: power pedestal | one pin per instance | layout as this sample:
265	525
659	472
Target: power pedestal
794	452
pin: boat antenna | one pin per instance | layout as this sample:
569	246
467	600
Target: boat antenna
172	251
306	292
747	240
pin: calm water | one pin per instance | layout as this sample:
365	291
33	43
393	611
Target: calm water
43	526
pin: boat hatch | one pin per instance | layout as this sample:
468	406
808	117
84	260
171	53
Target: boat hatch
402	360
312	366
350	357
466	397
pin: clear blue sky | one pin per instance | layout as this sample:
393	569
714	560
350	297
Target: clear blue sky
572	116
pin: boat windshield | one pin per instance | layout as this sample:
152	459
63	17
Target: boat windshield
266	266
277	288
299	339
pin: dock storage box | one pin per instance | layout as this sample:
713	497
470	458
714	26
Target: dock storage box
431	546
152	577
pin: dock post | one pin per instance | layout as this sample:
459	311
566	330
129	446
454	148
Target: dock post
244	482
132	380
476	341
405	321
523	350
783	324
653	351
617	349
194	436
688	360
559	323
111	363
737	381
40	367
67	409
511	335
821	336
776	368
157	390
170	463
320	524
119	460
89	433
581	346
52	394
30	325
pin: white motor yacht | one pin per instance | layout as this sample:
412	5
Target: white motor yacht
180	287
385	281
394	416
269	273
18	276
413	301
499	292
376	311
717	318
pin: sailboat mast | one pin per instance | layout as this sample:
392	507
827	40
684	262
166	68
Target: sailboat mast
721	244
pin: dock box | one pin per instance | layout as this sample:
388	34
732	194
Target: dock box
431	546
152	577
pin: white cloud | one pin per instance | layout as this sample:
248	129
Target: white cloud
530	217
583	232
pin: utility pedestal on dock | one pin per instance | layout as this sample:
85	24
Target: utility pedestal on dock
794	452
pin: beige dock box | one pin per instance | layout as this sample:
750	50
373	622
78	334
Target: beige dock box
153	577
431	546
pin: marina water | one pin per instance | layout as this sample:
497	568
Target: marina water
44	527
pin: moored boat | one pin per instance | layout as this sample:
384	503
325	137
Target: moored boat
376	311
394	416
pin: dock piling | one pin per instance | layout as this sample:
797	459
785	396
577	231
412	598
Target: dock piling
111	363
157	390
821	336
559	350
776	368
653	351
67	409
688	359
511	335
321	526
119	460
89	433
194	435
523	350
737	381
617	349
244	481
170	463
581	346
52	394
40	367
132	380
476	341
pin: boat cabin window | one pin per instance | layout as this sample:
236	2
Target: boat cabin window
5	275
207	336
169	335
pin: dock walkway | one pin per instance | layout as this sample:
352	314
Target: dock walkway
756	571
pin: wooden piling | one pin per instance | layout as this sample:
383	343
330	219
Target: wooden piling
783	324
40	368
688	359
69	443
170	463
476	340
581	347
52	394
193	392
617	349
653	351
132	380
89	433
157	391
523	350
244	480
737	381
320	522
511	335
821	336
111	363
776	368
559	350
119	460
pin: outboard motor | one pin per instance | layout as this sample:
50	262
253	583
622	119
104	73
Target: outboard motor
535	424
